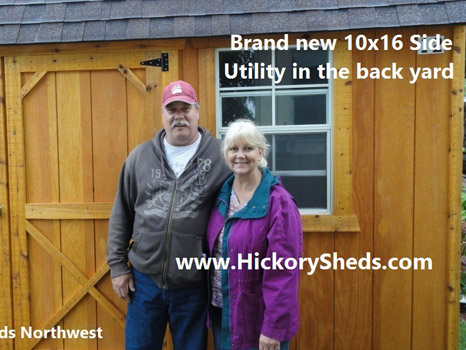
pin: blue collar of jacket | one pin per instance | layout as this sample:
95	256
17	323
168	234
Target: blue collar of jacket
257	206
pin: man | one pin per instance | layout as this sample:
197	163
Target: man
164	195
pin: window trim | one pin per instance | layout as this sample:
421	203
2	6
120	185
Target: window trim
343	218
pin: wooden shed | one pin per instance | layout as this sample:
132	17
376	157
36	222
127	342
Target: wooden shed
374	164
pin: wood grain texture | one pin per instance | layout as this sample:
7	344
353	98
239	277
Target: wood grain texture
316	296
454	186
17	198
134	79
42	185
68	211
152	121
93	47
58	316
76	185
393	199
6	299
190	64
430	201
60	258
353	289
110	127
33	80
80	62
330	223
342	131
142	111
206	93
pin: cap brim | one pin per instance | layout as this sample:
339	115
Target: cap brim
179	98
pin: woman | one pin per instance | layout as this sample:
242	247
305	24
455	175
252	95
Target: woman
254	222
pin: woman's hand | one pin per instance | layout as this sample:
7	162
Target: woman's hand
266	343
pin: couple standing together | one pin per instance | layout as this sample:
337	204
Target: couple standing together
185	194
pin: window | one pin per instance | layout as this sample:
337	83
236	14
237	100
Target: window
294	114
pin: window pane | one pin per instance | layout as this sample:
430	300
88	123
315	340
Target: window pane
242	58
257	108
299	152
310	192
301	109
270	162
303	59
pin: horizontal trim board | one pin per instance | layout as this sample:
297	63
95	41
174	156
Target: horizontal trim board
93	47
68	211
330	223
91	61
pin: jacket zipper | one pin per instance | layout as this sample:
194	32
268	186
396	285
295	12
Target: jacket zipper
165	262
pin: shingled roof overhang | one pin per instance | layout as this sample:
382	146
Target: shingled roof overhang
67	21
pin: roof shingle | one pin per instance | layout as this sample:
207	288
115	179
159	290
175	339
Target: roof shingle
54	13
9	33
85	11
116	30
138	28
161	28
327	20
36	21
203	26
11	14
126	9
456	11
240	24
49	32
200	8
94	31
409	14
221	25
184	26
27	33
73	31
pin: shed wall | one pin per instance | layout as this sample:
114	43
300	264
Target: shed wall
400	166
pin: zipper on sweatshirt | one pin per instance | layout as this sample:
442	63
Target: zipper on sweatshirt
169	226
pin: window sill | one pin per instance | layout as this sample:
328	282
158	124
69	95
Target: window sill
330	223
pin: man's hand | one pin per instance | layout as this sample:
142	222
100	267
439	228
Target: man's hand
266	343
122	284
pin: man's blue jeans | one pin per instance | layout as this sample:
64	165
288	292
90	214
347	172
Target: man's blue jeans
152	307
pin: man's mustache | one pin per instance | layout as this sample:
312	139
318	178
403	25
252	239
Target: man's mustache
179	123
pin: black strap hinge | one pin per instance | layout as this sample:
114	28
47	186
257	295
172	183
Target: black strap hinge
158	62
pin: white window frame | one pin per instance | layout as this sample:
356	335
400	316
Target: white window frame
295	90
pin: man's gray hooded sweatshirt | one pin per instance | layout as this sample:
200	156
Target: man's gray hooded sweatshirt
165	216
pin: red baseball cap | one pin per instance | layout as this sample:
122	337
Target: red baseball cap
178	91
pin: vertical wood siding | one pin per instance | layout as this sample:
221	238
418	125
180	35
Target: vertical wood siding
6	299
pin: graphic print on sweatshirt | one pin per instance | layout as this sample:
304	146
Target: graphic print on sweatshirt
190	193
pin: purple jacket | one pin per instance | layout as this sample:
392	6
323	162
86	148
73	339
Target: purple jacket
259	300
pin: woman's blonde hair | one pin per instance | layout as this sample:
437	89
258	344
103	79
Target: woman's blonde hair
246	130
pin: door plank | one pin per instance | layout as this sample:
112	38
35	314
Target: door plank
19	249
110	146
76	185
6	299
42	184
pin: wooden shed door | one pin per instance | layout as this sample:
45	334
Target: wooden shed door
71	121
